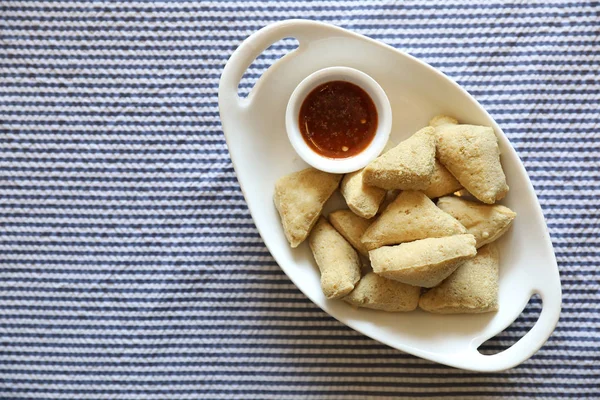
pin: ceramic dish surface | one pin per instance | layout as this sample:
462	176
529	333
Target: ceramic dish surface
261	153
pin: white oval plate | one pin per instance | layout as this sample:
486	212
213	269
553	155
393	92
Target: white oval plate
261	153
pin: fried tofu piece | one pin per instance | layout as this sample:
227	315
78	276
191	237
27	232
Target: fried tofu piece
378	293
472	155
486	222
299	198
472	288
442	182
408	166
411	216
337	260
440	120
351	227
424	262
364	200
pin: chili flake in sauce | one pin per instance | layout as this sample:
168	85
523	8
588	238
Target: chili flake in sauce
338	119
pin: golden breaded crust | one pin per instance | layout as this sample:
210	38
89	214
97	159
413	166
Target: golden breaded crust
299	198
442	182
378	293
362	199
472	155
408	166
411	216
472	288
337	260
424	262
486	222
351	227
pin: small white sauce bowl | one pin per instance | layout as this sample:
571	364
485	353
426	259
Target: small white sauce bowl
384	119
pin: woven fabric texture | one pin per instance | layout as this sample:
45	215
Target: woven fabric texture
130	267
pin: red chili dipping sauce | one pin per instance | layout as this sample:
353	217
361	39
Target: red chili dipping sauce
338	119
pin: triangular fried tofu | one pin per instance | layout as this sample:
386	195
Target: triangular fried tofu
412	216
408	166
299	198
337	260
472	288
486	222
442	182
378	293
472	155
424	262
362	199
351	227
439	120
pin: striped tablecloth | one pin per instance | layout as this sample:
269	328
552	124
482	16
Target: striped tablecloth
130	266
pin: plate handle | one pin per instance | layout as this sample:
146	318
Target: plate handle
527	345
302	30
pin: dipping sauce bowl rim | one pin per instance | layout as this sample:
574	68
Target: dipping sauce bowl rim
384	119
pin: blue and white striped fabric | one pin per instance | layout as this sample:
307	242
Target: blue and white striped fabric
130	266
